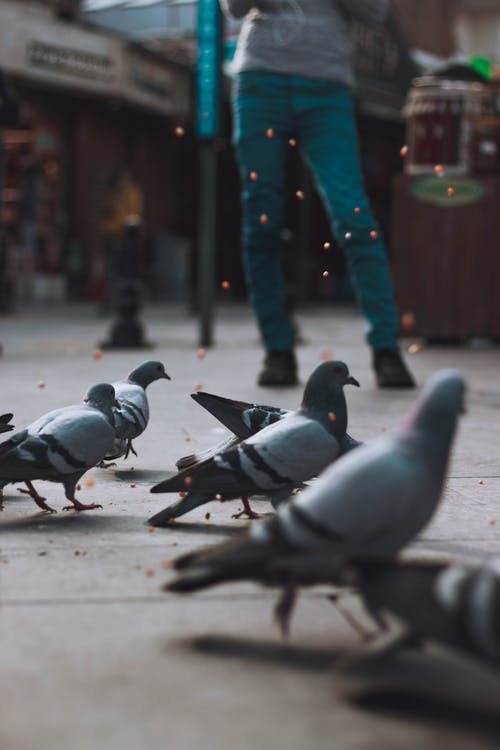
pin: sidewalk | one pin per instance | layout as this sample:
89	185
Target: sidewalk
94	655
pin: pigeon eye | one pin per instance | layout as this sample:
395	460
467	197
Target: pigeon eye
338	370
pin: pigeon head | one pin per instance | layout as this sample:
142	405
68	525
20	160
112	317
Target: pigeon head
443	398
327	381
102	397
437	411
147	373
324	396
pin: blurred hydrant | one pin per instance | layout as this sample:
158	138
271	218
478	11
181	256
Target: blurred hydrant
127	330
125	221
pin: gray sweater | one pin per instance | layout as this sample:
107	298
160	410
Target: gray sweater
310	38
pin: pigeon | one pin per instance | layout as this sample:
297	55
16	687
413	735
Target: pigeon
132	413
275	460
243	419
61	446
456	604
4	422
367	506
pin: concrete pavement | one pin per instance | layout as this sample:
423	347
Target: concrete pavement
94	655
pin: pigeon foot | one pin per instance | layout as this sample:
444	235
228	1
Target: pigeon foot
39	500
104	465
247	511
367	636
81	506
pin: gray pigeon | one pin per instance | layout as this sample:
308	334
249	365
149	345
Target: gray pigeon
61	446
275	460
455	604
243	419
132	413
4	422
367	506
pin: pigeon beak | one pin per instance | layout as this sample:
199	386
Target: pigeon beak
167	377
116	404
352	381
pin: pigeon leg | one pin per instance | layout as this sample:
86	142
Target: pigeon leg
104	465
39	500
69	491
365	635
130	449
247	511
284	608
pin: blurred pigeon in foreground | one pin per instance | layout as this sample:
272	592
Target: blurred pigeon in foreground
61	446
367	506
243	419
132	413
277	459
4	422
456	604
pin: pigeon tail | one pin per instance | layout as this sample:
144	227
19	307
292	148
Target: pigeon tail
239	559
191	501
194	459
228	411
4	422
242	418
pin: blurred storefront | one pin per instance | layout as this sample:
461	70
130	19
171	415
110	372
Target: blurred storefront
90	104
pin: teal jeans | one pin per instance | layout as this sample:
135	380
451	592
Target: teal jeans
319	115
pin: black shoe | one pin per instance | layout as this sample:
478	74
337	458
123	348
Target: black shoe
280	368
390	370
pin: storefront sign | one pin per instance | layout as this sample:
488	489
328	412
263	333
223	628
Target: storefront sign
69	61
36	46
448	193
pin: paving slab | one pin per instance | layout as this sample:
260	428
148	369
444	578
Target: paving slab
94	654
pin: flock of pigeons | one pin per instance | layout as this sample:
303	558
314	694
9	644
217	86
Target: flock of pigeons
346	527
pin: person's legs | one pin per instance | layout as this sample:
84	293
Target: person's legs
327	137
262	121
